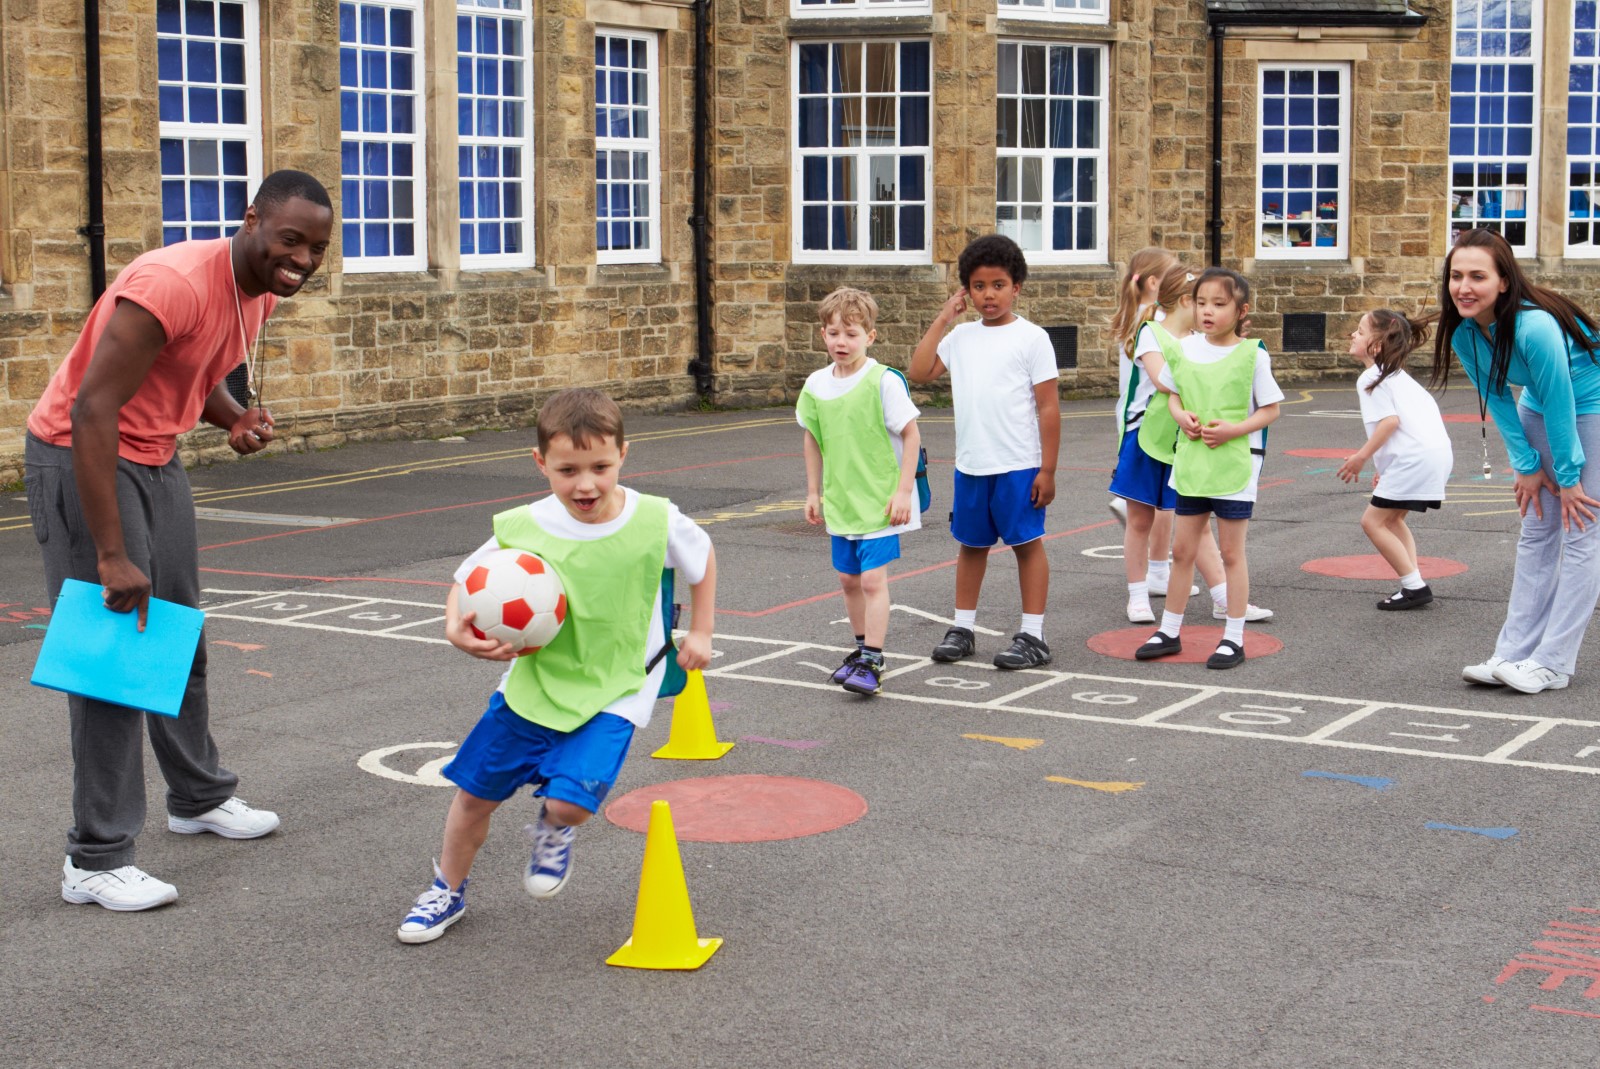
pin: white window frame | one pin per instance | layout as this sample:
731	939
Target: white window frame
1080	11
1591	193
522	146
1045	255
249	131
845	8
1528	247
649	145
862	254
1342	217
417	259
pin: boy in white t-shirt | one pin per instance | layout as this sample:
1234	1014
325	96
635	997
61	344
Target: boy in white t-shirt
561	719
1006	387
861	444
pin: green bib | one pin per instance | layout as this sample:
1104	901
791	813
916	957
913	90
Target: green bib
611	583
1159	433
859	471
1222	391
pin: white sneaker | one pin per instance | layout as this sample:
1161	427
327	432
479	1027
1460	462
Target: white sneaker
1119	509
232	819
1530	677
1484	673
1253	614
1158	588
125	890
1139	611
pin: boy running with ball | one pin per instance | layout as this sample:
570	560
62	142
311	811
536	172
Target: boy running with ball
562	718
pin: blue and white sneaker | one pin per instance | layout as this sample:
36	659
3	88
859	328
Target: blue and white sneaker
436	909
551	862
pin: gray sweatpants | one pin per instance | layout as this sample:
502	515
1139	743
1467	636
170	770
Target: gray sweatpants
158	526
1557	577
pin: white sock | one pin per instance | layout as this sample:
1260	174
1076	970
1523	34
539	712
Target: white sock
1139	591
1412	580
1233	630
1033	624
1219	595
1171	623
1158	569
967	618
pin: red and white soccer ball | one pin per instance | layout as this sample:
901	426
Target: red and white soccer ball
515	597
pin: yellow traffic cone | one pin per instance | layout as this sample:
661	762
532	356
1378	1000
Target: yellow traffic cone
693	736
663	923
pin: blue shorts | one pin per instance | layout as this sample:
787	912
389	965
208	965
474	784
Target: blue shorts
1220	507
504	751
990	507
852	556
1141	477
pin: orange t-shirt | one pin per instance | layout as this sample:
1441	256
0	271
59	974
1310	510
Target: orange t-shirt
189	288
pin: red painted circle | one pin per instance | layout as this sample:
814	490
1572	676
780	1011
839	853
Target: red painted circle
1460	417
1198	644
1321	454
742	809
1372	566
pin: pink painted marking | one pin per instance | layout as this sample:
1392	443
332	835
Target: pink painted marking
742	809
1558	1009
1372	566
1320	454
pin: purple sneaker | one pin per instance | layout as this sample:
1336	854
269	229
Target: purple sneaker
863	677
842	673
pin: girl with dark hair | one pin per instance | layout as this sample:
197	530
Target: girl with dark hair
1406	443
1506	332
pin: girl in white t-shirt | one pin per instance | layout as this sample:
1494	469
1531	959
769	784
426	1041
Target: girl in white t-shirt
1406	442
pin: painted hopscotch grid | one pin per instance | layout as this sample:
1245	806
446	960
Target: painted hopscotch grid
1543	742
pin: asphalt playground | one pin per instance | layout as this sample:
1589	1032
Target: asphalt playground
1338	854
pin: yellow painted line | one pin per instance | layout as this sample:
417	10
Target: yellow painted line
1015	744
1109	788
1497	512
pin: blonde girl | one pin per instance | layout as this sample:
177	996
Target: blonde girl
1406	442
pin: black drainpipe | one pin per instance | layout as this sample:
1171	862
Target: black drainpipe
700	367
1214	223
96	230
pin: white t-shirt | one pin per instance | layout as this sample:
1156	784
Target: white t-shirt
1415	463
1264	391
1146	390
688	550
993	371
897	412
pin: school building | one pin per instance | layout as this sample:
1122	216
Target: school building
650	196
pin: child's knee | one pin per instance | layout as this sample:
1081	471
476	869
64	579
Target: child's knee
873	583
851	584
565	813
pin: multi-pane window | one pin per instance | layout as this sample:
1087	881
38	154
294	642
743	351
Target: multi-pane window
1493	112
1050	158
627	165
1062	10
857	7
495	143
210	126
1302	161
1583	131
380	114
862	161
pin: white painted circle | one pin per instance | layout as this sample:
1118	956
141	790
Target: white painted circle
425	776
1103	552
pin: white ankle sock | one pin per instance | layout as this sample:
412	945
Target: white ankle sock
1233	630
967	618
1219	595
1139	591
1158	569
1412	580
1033	625
1171	623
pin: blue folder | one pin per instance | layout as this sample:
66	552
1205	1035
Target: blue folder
100	654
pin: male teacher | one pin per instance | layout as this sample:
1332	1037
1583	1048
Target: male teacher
111	505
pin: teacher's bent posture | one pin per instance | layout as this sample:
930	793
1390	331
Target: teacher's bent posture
111	505
1507	332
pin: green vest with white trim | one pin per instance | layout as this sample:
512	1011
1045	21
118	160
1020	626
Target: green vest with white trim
1159	432
859	470
1219	390
599	654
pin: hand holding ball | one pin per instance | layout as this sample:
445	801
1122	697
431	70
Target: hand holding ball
515	597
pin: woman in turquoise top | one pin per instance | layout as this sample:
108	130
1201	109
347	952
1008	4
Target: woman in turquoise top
1507	332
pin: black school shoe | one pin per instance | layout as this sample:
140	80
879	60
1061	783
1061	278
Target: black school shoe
1407	599
1159	644
956	644
1229	655
1025	651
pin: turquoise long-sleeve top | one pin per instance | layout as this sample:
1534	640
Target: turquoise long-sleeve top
1559	381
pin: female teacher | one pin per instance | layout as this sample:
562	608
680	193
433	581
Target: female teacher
1506	332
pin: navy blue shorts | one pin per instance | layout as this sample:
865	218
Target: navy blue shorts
852	556
1141	477
995	507
1220	507
505	751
